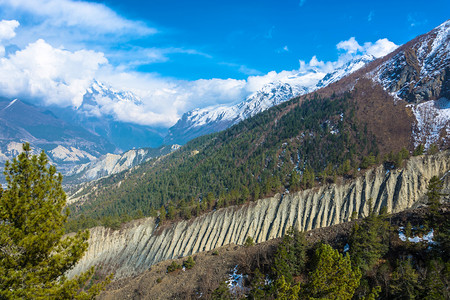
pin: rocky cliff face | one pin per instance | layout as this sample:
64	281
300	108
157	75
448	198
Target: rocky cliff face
419	70
142	243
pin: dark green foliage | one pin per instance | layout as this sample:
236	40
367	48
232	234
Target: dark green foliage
258	287
285	290
419	150
249	242
189	263
290	257
333	276
33	253
434	195
293	145
442	238
222	292
369	241
173	267
368	161
404	281
437	281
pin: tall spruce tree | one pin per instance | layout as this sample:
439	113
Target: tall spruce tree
334	276
34	255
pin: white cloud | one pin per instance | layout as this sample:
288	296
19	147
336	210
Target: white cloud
7	29
66	13
56	76
350	46
380	48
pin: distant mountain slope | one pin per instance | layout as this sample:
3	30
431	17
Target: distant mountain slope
65	144
114	163
213	119
336	130
123	135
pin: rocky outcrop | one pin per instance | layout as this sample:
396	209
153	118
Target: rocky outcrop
115	163
142	243
419	70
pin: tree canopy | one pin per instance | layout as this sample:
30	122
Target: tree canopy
34	254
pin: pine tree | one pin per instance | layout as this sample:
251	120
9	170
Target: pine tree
290	256
34	256
370	240
404	281
333	276
189	263
285	291
434	195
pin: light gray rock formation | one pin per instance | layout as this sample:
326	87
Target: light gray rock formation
140	244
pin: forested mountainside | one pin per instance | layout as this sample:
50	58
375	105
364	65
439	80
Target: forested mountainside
142	243
333	133
213	119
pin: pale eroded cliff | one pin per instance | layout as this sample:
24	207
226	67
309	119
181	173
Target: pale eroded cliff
140	244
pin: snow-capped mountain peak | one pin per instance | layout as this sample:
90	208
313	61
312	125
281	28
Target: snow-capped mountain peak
216	118
346	69
99	89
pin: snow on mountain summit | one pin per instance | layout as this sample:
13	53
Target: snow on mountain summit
216	118
98	89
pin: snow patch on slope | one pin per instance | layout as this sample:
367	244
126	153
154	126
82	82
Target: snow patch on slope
432	118
10	104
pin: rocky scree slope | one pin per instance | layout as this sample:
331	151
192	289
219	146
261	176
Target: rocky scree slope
141	243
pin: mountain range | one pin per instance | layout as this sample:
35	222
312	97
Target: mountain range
213	119
73	137
417	73
379	113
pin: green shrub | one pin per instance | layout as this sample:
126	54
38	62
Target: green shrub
173	267
189	263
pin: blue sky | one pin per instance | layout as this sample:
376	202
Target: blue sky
177	55
244	38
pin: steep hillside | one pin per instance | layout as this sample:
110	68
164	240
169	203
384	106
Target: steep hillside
213	119
316	138
214	267
142	243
